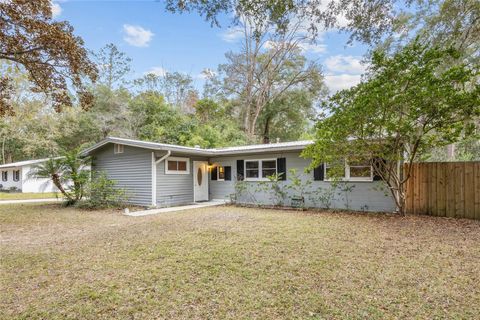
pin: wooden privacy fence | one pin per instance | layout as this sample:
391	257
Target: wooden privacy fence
444	189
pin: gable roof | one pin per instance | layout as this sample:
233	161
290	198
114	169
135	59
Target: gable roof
25	163
271	147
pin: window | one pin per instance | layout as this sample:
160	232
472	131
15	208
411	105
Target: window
351	171
177	166
221	173
117	148
252	169
4	175
336	170
16	175
269	167
360	171
260	169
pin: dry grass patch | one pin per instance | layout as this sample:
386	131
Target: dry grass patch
227	262
25	196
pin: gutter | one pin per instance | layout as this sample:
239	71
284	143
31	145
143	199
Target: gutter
154	175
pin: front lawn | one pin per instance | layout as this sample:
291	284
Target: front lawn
235	263
24	196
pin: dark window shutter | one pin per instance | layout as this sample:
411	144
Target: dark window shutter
318	173
282	168
228	173
377	177
240	170
214	173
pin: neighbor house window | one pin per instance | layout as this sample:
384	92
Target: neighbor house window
221	173
260	169
117	148
4	175
177	166
16	175
349	171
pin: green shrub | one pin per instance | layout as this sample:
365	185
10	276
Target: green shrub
103	193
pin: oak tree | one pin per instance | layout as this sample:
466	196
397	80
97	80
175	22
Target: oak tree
52	55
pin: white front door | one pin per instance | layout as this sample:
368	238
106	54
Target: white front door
200	180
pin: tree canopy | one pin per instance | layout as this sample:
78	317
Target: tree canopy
52	56
409	103
416	92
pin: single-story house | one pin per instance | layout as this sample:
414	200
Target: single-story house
161	175
19	176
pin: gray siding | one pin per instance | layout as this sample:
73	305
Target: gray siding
175	189
132	170
368	196
223	189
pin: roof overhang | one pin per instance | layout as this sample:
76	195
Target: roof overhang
145	145
25	163
251	149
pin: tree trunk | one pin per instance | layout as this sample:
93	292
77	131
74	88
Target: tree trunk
253	124
398	189
246	121
3	150
58	184
266	130
399	198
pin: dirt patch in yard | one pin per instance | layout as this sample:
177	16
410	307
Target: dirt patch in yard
231	263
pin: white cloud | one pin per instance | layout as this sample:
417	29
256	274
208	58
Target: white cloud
137	36
347	64
158	71
304	46
232	34
341	20
270	44
56	10
343	71
313	47
341	81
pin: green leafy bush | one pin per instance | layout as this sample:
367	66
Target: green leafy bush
103	193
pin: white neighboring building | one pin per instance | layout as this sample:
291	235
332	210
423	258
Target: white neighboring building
19	175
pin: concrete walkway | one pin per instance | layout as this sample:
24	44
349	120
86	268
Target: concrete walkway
29	200
141	213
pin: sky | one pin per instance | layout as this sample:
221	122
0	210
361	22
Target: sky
159	41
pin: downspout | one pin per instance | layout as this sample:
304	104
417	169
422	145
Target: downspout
164	157
154	175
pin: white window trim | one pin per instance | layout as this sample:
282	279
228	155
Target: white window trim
218	172
175	171
260	171
6	175
117	148
347	174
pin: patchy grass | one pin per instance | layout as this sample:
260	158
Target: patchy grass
235	263
24	196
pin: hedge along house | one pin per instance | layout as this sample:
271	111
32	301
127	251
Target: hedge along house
162	175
